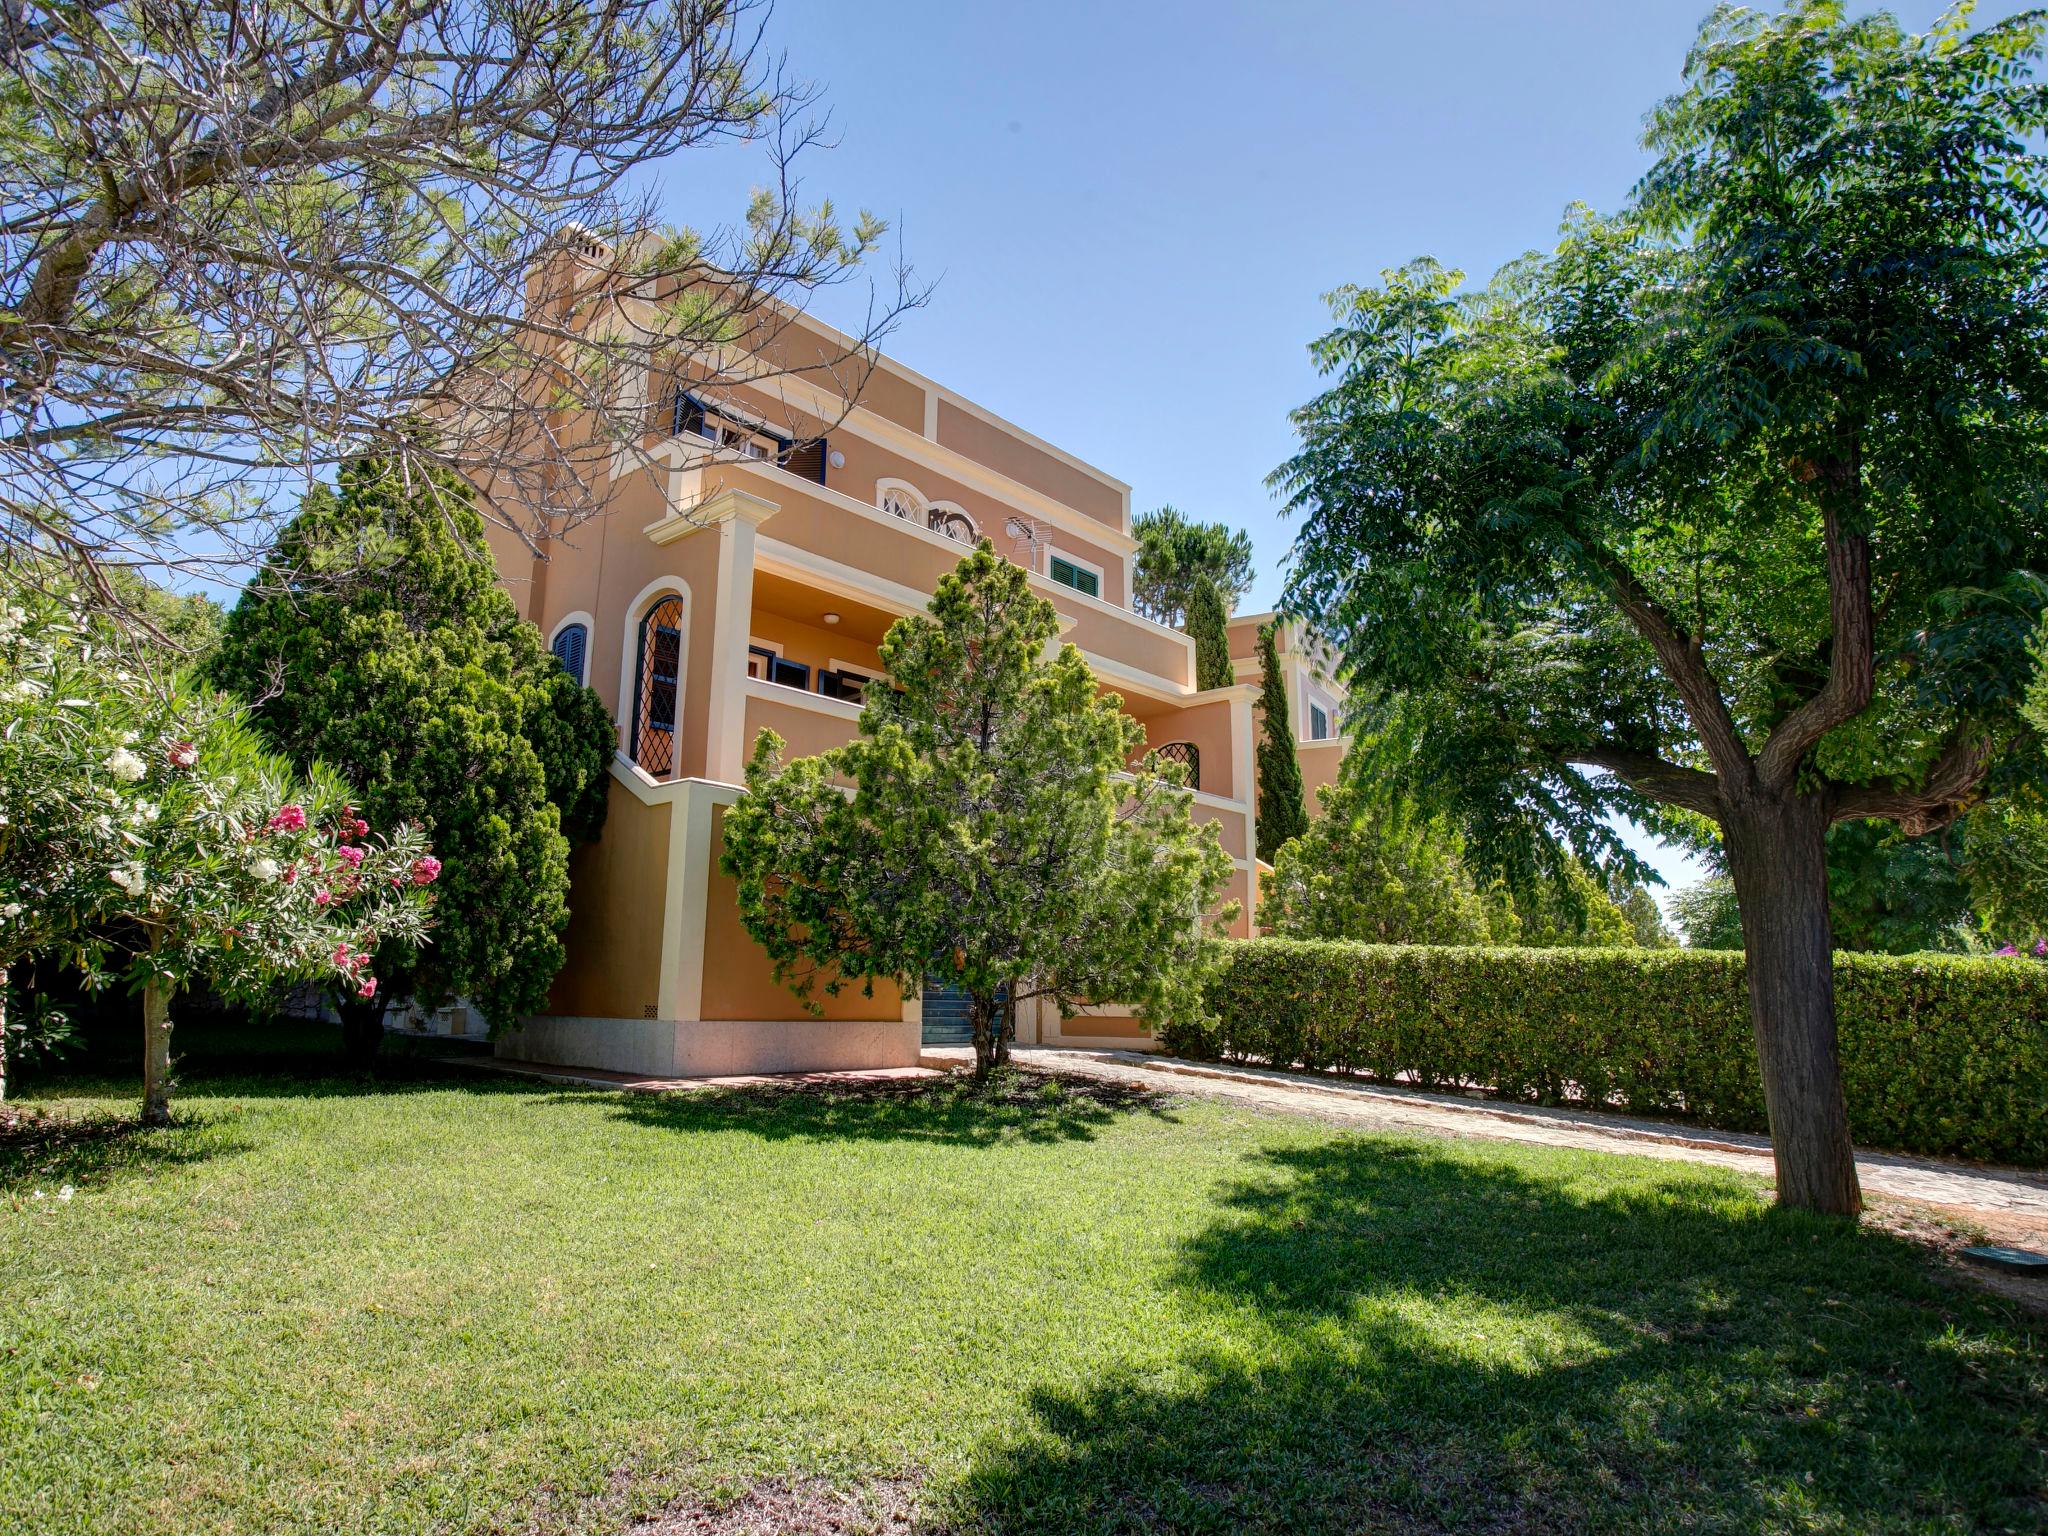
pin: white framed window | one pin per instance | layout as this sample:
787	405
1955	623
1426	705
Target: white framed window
899	498
1084	576
1318	723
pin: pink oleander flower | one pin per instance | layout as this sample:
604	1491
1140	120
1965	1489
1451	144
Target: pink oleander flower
2008	950
291	873
289	818
342	957
323	897
425	869
183	754
354	856
368	988
2041	949
362	827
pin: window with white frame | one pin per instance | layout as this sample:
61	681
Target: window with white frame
1078	574
1318	723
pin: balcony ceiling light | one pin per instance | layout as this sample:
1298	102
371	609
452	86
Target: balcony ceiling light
831	618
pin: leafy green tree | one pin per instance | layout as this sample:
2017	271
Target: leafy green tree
1707	915
1897	895
1282	815
1209	626
1638	905
145	832
1574	911
1175	552
377	640
1375	872
993	837
1731	508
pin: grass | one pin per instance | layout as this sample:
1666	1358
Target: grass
444	1303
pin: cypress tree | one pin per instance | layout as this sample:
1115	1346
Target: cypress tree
1282	815
1208	626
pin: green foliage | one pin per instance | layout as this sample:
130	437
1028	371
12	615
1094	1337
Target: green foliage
1558	518
145	831
1175	553
377	640
1376	872
1898	895
1707	914
1282	813
1638	905
1570	911
1209	626
992	837
1939	1055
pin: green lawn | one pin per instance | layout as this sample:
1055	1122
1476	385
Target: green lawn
467	1304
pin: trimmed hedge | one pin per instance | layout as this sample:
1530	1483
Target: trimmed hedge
1939	1055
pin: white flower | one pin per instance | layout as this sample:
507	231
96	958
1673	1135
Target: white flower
264	869
129	738
27	688
104	822
125	765
66	1192
12	620
130	878
11	911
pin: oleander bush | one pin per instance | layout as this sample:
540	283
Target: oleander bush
1939	1054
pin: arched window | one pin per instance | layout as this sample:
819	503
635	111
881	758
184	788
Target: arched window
657	687
571	648
1184	753
900	499
944	517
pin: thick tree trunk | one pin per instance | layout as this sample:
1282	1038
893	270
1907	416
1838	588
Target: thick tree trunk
156	1053
3	1034
981	1013
1777	855
362	1031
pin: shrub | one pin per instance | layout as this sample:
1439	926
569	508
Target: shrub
1939	1054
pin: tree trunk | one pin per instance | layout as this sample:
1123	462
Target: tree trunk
156	1053
981	1013
3	1034
1777	856
1006	1036
362	1031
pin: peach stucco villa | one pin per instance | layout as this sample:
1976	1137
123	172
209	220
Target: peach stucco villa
747	585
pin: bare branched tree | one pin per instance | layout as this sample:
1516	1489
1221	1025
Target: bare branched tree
242	241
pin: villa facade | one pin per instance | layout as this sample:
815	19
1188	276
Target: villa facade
746	585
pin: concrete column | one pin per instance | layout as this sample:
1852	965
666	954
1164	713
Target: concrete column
736	515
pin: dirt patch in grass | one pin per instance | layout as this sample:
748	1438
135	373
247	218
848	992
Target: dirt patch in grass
1944	1238
806	1507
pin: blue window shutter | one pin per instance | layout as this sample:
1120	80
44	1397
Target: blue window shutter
570	645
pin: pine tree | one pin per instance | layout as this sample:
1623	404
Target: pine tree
1282	814
1208	626
993	838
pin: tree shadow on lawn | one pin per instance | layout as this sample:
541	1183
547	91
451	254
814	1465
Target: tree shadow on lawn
1412	1340
1015	1108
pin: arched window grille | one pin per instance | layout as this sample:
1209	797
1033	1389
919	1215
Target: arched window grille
571	648
1185	753
951	522
901	501
656	691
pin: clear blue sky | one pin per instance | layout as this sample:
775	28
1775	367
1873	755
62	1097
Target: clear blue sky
1132	211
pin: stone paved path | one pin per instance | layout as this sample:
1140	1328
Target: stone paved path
2009	1203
